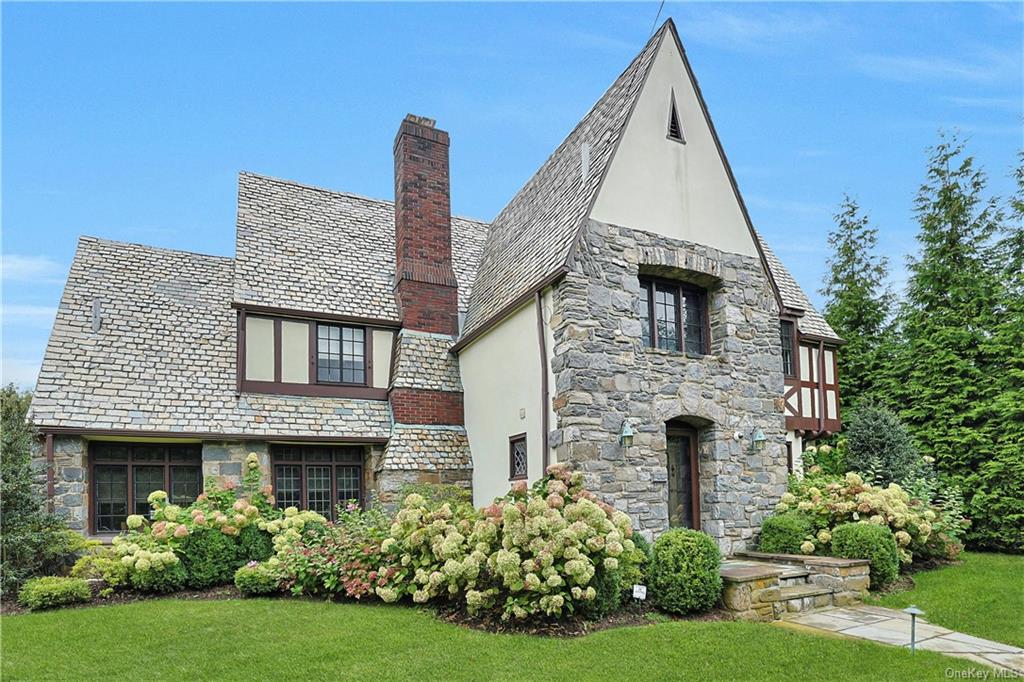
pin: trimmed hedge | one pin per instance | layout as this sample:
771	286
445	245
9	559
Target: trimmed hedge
45	593
256	580
869	541
210	557
683	575
784	533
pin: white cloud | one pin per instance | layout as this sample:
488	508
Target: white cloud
987	65
28	315
35	269
1003	103
757	30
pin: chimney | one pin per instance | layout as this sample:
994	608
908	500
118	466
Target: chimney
425	286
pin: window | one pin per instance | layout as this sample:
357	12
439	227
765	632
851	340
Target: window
517	463
673	316
788	366
124	475
317	477
340	354
675	130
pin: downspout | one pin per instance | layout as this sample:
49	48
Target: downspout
821	390
50	473
544	397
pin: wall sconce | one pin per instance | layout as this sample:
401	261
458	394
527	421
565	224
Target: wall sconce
759	439
626	435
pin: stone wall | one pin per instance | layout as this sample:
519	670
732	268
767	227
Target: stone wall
225	459
70	489
604	375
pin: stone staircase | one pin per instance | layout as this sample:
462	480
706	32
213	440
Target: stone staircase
761	586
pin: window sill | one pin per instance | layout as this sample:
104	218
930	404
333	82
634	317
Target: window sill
315	390
678	353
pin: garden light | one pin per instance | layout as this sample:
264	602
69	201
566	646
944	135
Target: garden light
914	613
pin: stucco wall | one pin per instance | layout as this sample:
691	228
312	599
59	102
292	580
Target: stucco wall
501	380
383	341
666	187
604	374
259	349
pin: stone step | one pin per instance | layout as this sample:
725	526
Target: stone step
801	591
802	598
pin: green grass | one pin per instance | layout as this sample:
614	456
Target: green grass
290	639
983	597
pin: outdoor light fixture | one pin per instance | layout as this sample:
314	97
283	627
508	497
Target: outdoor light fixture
914	613
759	439
626	435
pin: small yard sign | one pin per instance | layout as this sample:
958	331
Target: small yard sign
640	592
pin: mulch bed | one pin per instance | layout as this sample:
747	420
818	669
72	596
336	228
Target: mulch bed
631	615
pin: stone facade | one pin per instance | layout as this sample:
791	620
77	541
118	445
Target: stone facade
604	375
70	479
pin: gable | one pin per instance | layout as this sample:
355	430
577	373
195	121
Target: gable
677	188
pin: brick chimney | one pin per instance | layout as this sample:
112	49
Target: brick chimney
425	286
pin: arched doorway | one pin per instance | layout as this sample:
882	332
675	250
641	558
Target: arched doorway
683	475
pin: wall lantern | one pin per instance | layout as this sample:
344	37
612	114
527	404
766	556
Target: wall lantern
626	435
759	439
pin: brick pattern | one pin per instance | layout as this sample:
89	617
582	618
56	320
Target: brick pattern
425	285
416	406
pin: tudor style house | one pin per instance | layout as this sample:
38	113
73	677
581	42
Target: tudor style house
620	314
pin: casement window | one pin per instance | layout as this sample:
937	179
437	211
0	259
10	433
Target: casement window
317	477
673	316
124	474
340	354
517	461
788	363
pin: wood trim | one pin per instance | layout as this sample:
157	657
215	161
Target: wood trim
206	435
503	312
303	465
821	387
545	396
316	390
794	346
691	434
51	474
512	440
323	317
277	350
240	353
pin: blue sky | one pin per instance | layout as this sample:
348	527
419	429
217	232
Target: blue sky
131	121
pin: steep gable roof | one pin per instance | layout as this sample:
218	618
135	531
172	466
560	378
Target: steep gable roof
321	251
531	239
811	322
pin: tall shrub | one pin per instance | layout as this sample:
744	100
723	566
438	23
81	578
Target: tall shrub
684	575
864	540
878	443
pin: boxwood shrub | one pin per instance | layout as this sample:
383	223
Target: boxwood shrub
210	558
784	533
255	579
864	540
103	565
683	575
45	593
169	578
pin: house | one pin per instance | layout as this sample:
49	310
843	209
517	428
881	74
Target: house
620	314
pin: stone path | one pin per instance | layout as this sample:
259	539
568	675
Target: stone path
888	626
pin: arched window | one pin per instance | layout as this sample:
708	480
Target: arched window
674	316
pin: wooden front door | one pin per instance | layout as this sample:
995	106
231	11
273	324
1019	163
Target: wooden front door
683	480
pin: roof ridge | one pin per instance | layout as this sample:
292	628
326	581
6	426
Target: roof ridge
338	192
150	247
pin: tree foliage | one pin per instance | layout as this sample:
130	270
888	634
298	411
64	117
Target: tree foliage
858	302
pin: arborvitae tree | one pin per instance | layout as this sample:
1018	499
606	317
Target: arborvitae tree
949	316
997	505
859	302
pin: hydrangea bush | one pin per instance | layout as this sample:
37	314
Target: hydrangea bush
921	530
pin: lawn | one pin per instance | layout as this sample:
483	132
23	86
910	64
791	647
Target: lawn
983	597
275	639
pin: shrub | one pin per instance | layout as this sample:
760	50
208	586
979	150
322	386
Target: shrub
257	579
437	494
608	594
879	443
210	558
169	578
34	542
684	574
255	544
51	591
785	533
634	571
830	459
104	565
869	541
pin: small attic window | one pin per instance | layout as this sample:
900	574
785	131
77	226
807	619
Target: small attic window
675	129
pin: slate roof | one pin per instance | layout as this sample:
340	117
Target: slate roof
794	297
163	358
532	237
316	250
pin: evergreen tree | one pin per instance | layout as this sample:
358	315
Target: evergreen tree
859	303
949	316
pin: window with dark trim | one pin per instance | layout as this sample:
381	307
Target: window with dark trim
317	477
124	474
788	366
517	461
673	316
340	354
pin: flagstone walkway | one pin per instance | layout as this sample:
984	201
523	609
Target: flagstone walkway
888	626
